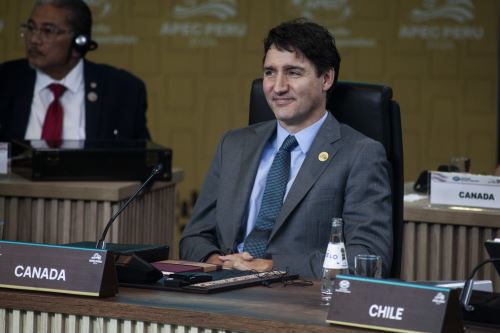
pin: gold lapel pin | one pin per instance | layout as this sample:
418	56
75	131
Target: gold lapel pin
323	156
92	96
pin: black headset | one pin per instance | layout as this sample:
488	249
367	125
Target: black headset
82	43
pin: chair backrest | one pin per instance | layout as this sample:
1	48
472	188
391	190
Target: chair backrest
368	108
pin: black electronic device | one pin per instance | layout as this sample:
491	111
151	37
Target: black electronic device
134	269
422	184
179	280
216	281
493	249
486	307
147	252
85	160
480	307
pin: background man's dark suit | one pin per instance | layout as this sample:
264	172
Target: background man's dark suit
118	111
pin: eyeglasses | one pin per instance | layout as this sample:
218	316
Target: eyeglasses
47	33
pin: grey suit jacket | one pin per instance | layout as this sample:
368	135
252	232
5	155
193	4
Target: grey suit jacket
353	183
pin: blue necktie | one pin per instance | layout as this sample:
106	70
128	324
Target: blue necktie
272	200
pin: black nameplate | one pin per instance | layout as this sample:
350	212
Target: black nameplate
60	269
394	306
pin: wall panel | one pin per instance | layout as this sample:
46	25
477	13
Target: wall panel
198	67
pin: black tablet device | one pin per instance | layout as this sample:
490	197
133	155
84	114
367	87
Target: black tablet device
493	249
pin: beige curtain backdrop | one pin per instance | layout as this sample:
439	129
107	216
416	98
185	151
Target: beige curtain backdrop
198	59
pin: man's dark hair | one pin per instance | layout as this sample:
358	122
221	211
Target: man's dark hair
80	18
312	40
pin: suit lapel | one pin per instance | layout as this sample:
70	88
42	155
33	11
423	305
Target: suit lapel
248	163
93	100
23	101
312	168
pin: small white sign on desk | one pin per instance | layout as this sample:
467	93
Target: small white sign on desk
463	189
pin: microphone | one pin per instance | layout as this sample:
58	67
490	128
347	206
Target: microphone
100	244
466	293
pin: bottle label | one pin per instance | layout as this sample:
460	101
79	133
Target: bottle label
335	256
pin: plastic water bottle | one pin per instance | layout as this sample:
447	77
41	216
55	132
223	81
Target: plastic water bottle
335	261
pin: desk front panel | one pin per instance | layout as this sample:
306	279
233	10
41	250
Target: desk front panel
149	220
17	321
257	309
446	243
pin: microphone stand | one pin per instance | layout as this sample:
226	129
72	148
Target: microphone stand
100	244
466	293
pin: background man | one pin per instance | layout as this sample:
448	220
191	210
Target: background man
332	171
55	94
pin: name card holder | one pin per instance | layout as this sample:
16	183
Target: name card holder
394	306
59	269
463	189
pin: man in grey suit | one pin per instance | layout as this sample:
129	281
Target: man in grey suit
335	171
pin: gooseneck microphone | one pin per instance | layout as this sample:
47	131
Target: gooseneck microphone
466	293
100	244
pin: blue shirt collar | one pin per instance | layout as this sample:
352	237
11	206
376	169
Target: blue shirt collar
305	137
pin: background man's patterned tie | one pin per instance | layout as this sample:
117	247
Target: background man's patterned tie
272	200
53	123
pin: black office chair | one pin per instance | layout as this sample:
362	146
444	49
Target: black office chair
368	108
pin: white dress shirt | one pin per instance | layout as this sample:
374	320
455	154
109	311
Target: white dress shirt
72	101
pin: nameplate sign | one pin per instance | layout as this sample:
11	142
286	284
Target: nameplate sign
59	269
463	189
394	306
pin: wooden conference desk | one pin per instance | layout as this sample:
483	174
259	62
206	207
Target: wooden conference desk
63	212
446	243
255	309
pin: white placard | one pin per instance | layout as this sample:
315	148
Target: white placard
463	189
4	157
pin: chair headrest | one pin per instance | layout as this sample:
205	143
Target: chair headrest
365	107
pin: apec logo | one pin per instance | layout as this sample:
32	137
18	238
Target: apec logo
96	259
338	10
221	9
102	31
335	15
439	299
190	22
456	10
442	23
464	179
102	7
344	287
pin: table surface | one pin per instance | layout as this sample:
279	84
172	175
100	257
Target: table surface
16	186
257	309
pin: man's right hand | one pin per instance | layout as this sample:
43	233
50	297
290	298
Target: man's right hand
214	259
230	261
245	262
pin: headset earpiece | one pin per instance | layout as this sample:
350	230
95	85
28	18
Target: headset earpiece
82	44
